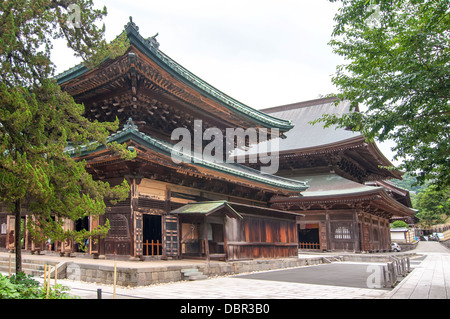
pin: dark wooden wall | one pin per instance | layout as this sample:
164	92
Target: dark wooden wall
350	230
261	237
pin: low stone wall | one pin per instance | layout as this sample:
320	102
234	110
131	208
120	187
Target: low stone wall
407	247
134	277
374	258
446	243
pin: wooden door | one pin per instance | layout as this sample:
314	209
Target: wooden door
365	240
171	236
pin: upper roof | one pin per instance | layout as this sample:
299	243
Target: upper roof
306	135
150	48
319	143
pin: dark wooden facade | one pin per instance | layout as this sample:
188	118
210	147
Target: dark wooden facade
348	206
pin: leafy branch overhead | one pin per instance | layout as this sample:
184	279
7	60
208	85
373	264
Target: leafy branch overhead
397	69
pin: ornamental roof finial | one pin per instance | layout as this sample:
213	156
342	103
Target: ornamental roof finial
130	125
132	24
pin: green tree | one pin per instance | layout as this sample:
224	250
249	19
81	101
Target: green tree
399	224
433	205
397	69
38	122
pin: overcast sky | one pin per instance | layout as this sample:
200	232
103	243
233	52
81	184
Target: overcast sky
263	53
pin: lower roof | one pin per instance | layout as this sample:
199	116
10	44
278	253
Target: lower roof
332	188
131	132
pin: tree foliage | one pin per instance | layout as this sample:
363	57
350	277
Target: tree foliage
399	224
433	205
39	122
397	70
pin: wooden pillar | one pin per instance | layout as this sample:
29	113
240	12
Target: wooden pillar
205	236
356	232
328	227
136	218
225	243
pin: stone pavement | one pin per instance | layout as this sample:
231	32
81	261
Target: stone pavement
429	280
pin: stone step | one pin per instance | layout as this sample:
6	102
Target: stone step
189	270
193	274
200	276
29	267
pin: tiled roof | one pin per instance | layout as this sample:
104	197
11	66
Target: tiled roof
131	131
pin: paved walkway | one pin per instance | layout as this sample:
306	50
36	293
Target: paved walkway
430	280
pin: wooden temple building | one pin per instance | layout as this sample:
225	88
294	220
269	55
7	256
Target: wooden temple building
209	209
349	203
197	208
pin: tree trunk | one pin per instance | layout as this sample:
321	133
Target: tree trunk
18	238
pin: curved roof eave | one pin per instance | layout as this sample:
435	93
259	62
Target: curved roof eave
131	132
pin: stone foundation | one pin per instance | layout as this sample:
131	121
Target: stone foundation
134	277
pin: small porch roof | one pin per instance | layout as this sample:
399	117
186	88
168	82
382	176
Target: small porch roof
207	208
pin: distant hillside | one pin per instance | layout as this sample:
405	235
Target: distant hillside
408	183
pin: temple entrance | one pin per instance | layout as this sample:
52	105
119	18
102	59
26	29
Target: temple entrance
195	234
80	225
216	239
308	236
152	235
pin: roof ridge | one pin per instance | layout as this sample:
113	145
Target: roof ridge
298	105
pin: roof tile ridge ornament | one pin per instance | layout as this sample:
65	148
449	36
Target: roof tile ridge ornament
129	125
153	42
132	24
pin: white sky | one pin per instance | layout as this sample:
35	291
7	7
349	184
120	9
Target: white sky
263	53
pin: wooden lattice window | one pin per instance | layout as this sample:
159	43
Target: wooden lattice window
342	233
119	226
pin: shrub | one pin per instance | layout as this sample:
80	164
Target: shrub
25	287
399	224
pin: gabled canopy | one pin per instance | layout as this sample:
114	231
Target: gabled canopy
207	208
